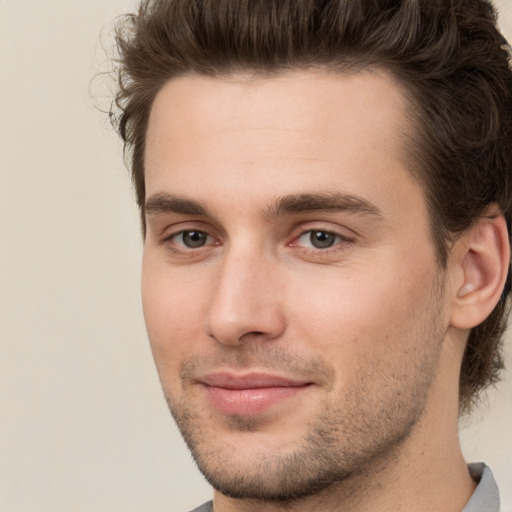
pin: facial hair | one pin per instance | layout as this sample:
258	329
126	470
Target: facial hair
367	424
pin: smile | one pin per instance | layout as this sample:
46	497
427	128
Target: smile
251	394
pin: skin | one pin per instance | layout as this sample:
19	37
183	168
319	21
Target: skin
369	325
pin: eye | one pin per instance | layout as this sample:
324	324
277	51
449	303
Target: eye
191	239
319	239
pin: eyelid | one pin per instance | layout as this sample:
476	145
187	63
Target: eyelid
344	233
344	238
171	229
175	234
170	232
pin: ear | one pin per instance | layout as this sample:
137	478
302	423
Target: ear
479	265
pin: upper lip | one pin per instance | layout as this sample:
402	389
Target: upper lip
253	380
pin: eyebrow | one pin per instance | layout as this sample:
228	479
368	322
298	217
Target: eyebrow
167	203
161	203
322	202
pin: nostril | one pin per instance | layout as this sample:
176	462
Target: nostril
253	335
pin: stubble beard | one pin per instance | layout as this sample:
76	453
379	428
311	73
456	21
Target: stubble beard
319	461
342	445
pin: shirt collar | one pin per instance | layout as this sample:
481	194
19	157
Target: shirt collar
486	497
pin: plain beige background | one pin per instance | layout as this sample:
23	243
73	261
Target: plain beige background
83	424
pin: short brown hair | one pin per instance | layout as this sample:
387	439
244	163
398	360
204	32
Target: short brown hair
447	54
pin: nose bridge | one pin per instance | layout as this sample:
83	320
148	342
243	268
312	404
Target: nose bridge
245	300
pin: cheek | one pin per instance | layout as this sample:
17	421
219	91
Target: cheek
359	314
173	314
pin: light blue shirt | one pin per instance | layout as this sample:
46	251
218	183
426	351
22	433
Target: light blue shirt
486	497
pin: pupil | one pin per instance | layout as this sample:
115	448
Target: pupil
194	239
321	239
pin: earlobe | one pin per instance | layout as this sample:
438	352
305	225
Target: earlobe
483	256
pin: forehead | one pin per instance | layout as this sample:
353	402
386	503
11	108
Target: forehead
322	105
299	131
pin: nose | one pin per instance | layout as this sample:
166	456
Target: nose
246	301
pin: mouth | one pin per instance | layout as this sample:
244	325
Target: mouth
249	394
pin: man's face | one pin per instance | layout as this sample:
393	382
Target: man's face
290	288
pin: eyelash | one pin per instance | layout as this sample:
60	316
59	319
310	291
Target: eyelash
168	240
340	239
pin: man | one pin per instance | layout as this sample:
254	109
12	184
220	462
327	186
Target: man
325	192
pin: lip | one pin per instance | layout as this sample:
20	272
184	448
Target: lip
249	394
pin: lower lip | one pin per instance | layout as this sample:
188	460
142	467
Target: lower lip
249	402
